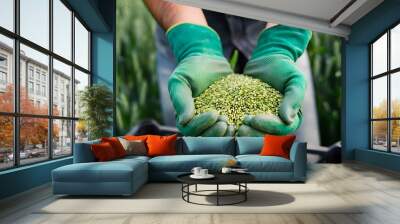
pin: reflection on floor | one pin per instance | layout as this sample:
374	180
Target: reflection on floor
378	189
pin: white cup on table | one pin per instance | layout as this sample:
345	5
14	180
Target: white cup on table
203	172
226	170
197	171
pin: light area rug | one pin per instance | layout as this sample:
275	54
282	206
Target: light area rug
166	198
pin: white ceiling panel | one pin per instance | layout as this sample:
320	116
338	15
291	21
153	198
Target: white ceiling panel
321	9
326	16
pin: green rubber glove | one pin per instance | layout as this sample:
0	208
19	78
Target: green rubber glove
273	61
198	51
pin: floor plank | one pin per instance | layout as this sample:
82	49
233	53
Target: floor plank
377	189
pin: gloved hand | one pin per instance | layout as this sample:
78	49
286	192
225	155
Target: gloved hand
198	52
273	61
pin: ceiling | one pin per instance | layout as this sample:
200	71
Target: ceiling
326	16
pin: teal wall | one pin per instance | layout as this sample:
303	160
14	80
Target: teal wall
99	16
355	109
24	178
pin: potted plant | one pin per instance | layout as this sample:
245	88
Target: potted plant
96	102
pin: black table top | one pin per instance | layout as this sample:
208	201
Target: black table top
220	178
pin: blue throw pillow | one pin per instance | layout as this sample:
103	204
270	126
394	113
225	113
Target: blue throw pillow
208	145
249	145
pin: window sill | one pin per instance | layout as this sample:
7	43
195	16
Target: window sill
30	166
382	159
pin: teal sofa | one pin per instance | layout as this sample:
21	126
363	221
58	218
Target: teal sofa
125	176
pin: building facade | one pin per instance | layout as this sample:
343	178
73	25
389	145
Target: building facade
34	81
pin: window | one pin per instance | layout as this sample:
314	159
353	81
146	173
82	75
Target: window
6	142
37	89
47	76
62	74
34	21
38	74
30	87
44	91
33	148
81	82
385	94
3	61
3	78
81	45
62	32
30	72
62	137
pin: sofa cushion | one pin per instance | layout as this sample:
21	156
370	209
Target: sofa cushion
134	147
112	171
207	145
185	163
249	145
116	145
135	137
103	152
161	145
277	145
257	163
132	158
83	152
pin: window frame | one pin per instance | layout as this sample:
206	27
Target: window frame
388	74
16	115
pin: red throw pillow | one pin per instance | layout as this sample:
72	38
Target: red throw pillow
161	145
277	145
116	145
135	137
103	151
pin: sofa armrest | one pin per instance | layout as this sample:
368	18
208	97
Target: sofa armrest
83	152
298	155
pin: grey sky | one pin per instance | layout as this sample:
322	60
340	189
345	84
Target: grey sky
6	14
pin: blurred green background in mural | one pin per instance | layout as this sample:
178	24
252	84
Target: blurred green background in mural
325	58
137	90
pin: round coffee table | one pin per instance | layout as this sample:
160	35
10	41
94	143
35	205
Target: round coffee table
238	179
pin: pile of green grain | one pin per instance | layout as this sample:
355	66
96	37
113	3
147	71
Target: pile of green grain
236	96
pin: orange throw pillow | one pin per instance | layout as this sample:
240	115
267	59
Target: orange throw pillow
277	145
103	151
136	137
161	145
116	145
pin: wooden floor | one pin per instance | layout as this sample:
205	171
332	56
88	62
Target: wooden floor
379	189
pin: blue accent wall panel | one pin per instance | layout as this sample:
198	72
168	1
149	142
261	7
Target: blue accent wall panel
103	64
103	58
356	99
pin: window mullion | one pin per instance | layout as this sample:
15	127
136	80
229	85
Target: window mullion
16	85
371	140
50	81
389	104
73	82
